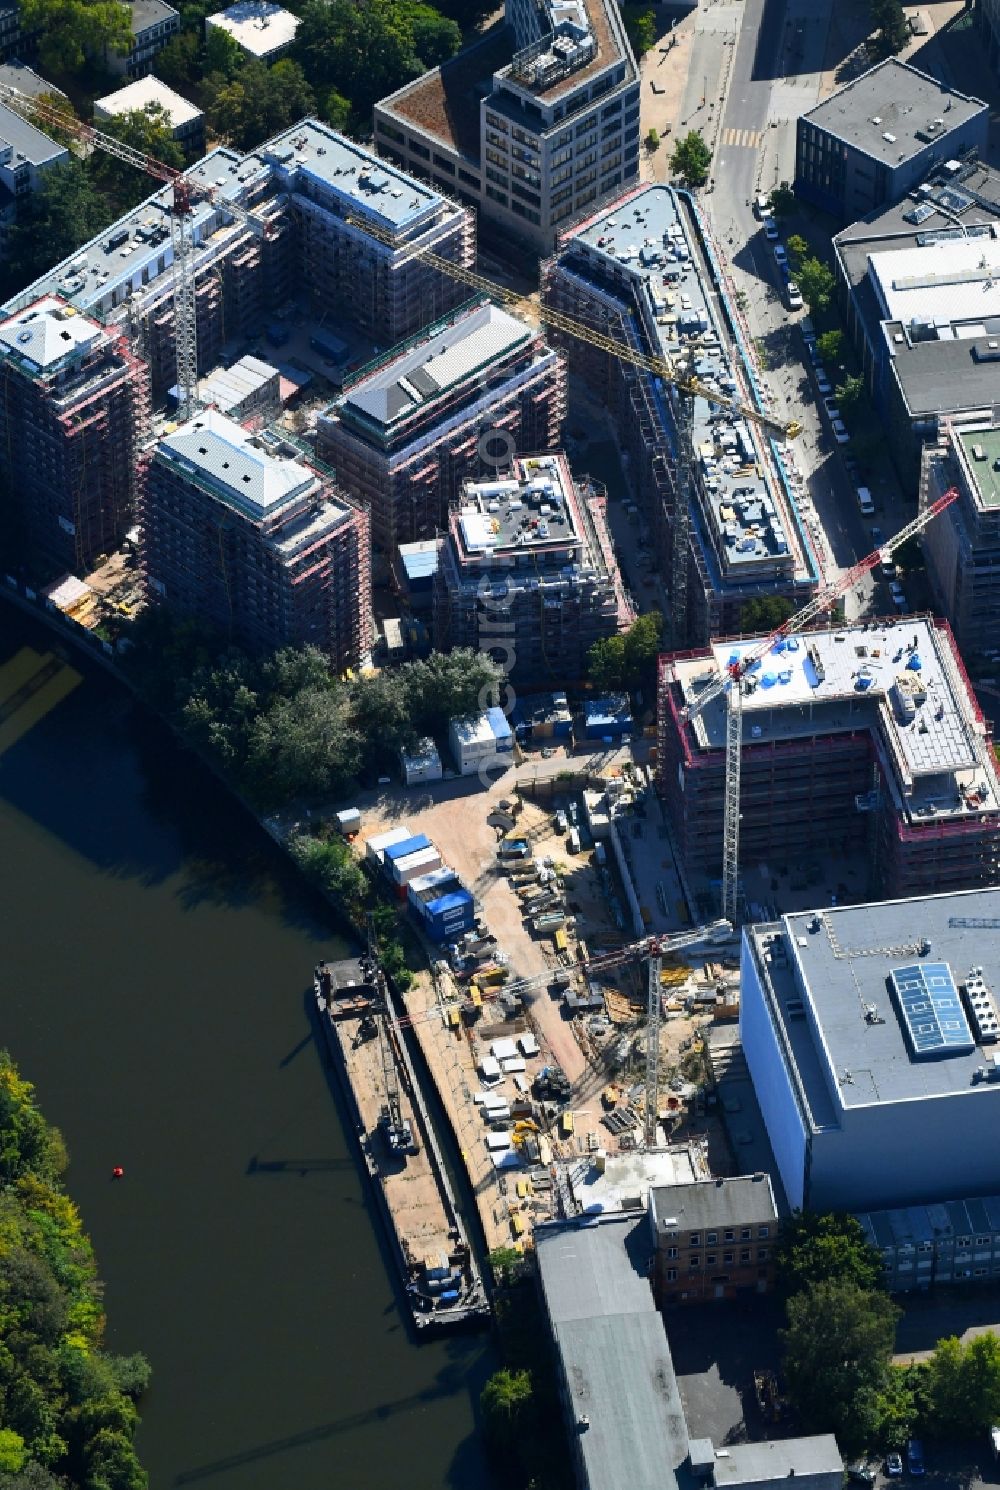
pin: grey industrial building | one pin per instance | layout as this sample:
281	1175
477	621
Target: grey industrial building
876	138
870	1033
962	545
624	1415
528	573
533	125
920	289
643	272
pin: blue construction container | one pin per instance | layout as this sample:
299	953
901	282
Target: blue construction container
448	917
406	846
608	718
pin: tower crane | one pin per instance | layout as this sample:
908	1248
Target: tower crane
729	681
661	367
653	949
186	194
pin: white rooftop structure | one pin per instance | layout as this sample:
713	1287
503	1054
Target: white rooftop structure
46	333
903	676
239	468
229	386
142	94
258	26
941	282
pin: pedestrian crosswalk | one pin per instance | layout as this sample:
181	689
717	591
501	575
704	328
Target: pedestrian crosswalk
748	137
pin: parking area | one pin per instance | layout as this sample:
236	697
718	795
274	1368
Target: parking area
716	1349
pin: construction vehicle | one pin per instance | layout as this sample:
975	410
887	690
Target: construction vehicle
187	192
730	681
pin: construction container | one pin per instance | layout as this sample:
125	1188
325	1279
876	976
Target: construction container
349	821
404	846
376	846
449	915
422	763
412	866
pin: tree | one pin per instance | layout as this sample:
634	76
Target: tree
851	394
837	1345
73	30
782	200
469	14
13	1452
223	57
257	101
798	249
147	130
963	1385
765	613
606	664
179	64
640	24
816	282
652	140
828	344
435	37
815	1248
381	706
446	686
364	50
505	1262
691	159
332	866
505	1401
28	1144
303	746
642	647
892	32
64	212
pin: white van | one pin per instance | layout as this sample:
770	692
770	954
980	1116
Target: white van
865	502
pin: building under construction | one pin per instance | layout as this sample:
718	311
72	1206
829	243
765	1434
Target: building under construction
962	546
74	412
867	737
241	532
528	573
408	432
313	195
715	487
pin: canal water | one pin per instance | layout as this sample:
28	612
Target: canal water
157	957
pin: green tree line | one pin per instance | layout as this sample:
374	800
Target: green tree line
67	1408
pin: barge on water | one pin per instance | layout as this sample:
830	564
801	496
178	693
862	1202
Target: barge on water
442	1282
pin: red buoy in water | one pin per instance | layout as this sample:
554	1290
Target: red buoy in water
118	1173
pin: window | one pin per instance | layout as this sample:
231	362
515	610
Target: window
982	1241
694	1240
745	1255
763	1232
444	165
729	1236
745	1234
496	196
711	1260
671	1251
761	1254
469	179
711	1238
526	212
497	176
727	1258
417	149
694	1262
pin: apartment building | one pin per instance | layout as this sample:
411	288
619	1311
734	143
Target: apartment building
920	289
533	125
528	574
714	1239
261	29
642	271
241	532
314	196
74	411
26	153
153	24
405	436
924	1246
870	1035
865	737
186	123
962	545
876	138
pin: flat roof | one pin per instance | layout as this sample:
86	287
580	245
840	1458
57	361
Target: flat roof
147	13
258	26
778	1459
980	449
45	334
407	383
26	140
901	677
908	1226
19	75
143	93
842	1025
745	1199
228	386
941	282
614	1353
647	241
532	509
444	103
589	44
893	111
238	468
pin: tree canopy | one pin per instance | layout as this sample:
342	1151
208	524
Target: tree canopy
366	50
691	158
815	1248
816	282
765	612
147	130
65	211
640	24
891	30
782	200
851	393
829	344
505	1401
963	1385
73	30
628	659
66	1411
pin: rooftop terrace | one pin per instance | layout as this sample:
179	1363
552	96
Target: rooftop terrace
582	42
979	450
532	510
750	510
840	964
445	101
902	677
893	111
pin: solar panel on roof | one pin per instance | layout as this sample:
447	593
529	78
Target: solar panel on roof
931	1010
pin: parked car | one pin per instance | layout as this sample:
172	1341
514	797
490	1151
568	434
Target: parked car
878	537
915	1456
865	1472
823	383
865	502
794	295
839	431
894	1465
770	229
780	254
896	590
762	206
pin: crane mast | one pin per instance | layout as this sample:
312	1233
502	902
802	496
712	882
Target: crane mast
729	681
